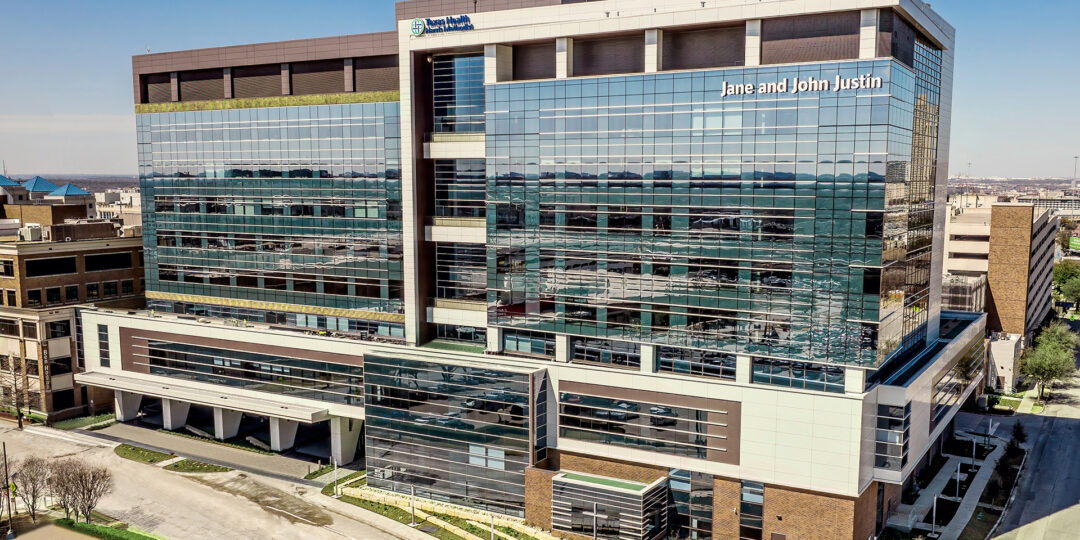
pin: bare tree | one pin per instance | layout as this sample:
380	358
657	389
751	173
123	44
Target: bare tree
91	484
32	479
62	475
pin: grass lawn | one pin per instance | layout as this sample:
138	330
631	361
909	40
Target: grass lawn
464	525
102	531
514	533
142	455
319	472
83	421
239	442
1037	408
397	514
980	524
192	466
344	481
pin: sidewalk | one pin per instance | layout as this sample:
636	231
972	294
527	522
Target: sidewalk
269	465
925	502
971	497
1028	401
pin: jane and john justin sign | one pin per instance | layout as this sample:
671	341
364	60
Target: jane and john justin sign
796	85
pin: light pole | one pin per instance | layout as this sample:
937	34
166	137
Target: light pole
7	494
1075	159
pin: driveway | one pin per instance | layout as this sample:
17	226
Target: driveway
219	505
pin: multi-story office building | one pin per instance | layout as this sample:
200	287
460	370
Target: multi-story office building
670	262
43	280
1062	206
1013	245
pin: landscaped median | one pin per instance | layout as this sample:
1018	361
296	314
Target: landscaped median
102	531
192	466
151	457
142	455
456	521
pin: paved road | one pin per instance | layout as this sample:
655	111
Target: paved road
1047	503
219	505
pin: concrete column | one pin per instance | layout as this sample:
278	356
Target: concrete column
498	63
648	358
350	80
868	31
174	86
564	58
654	50
282	433
753	42
744	368
174	413
494	340
562	348
344	435
286	79
126	405
854	381
226	423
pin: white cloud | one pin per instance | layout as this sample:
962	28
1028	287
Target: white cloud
68	143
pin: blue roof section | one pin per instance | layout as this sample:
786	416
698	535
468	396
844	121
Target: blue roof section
38	184
68	190
5	181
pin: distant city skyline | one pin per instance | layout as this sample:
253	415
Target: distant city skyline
66	104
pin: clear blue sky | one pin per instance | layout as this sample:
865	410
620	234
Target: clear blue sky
66	95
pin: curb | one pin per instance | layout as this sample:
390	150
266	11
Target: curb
236	466
1012	496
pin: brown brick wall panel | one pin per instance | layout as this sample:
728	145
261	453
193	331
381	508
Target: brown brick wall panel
538	497
866	513
726	499
1009	266
623	470
801	515
44	214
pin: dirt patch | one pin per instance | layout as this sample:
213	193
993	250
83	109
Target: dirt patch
272	500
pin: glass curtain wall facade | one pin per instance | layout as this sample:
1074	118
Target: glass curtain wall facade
293	377
653	208
452	433
281	207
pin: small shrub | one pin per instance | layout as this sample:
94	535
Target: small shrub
100	531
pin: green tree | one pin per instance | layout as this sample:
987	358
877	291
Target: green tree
1046	363
1018	433
1065	232
1071	290
1066	270
1060	334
